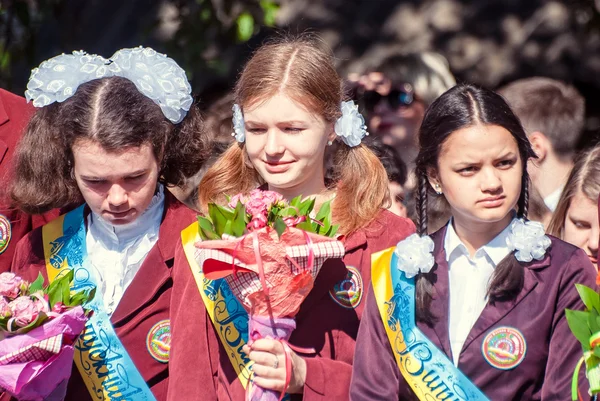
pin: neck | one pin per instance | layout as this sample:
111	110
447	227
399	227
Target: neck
476	234
312	188
558	169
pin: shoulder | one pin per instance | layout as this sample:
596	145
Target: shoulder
569	260
387	229
29	255
15	107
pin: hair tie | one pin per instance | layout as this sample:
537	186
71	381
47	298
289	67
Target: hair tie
155	75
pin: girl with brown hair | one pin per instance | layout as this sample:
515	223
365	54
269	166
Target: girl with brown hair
575	219
289	109
111	134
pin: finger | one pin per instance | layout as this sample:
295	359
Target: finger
267	345
246	349
269	384
264	358
267	372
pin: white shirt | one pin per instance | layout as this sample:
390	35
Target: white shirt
552	200
468	280
116	253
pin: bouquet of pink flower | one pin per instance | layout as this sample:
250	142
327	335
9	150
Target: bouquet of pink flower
38	326
270	252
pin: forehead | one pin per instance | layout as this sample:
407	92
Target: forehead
278	107
92	159
478	142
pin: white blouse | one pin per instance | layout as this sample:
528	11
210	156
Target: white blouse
468	282
116	253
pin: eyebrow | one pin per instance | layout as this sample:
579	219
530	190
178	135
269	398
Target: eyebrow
96	178
278	122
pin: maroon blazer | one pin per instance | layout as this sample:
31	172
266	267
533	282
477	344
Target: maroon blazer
145	302
200	369
537	312
14	116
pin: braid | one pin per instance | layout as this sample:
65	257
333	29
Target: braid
524	200
422	204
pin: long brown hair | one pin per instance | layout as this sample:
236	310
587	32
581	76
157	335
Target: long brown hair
302	69
112	112
584	177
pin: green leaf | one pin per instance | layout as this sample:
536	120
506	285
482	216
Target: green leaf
245	26
37	285
593	322
324	216
590	298
279	226
578	323
219	216
239	220
306	207
296	201
206	229
333	230
306	226
288	211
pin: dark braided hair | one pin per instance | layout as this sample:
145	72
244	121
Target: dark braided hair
460	107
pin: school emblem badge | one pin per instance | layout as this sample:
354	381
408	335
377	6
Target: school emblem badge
504	348
348	292
5	233
158	341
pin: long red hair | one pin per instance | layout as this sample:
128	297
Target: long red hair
303	70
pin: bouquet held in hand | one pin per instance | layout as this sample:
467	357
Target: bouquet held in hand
270	252
38	326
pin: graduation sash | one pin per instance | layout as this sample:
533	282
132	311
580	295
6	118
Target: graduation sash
227	314
105	366
428	371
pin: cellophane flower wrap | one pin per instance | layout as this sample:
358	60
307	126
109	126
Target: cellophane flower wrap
38	327
270	252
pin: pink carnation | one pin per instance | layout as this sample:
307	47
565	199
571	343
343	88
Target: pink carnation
10	285
24	310
4	309
261	201
237	198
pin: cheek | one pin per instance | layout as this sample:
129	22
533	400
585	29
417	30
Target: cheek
573	235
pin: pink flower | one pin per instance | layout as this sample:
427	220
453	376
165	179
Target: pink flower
59	307
24	310
261	201
258	221
271	197
4	309
10	285
237	198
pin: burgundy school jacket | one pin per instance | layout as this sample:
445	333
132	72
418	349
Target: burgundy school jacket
14	224
537	312
144	303
200	369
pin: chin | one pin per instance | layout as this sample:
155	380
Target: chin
492	215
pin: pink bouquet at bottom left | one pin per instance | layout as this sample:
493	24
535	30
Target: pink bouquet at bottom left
40	325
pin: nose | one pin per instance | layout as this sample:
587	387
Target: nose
117	195
593	241
273	146
490	180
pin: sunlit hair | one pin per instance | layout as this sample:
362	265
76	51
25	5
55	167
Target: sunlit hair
584	178
113	113
461	107
302	69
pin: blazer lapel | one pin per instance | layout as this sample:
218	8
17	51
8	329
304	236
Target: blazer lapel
492	314
155	272
440	303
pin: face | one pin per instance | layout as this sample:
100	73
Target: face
397	196
581	225
116	186
286	145
479	172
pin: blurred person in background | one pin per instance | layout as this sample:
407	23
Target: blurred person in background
538	211
552	114
396	171
575	219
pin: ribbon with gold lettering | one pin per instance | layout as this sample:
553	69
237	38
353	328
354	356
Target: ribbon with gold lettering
104	364
428	371
227	314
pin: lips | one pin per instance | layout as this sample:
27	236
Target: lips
119	215
593	259
492	201
277	167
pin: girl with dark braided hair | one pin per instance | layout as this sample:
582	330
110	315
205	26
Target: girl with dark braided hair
476	311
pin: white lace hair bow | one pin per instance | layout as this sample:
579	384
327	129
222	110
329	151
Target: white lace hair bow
350	127
154	74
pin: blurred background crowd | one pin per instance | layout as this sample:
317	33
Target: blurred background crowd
397	56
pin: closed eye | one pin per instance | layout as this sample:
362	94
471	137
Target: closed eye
256	130
293	130
580	224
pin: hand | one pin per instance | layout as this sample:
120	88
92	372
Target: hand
269	366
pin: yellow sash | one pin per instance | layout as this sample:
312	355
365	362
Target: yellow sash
223	308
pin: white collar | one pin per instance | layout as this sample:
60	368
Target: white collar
496	249
552	200
148	221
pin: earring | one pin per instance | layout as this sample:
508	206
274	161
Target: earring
438	189
329	143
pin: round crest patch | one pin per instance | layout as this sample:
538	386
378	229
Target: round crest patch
5	233
158	341
348	292
504	348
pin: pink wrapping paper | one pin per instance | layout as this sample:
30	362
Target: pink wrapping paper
40	377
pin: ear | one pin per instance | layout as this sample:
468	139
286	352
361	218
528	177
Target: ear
331	135
433	178
540	144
